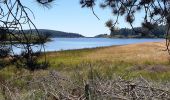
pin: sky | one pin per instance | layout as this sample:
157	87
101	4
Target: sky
68	16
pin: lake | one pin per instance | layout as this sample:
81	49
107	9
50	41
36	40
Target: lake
58	44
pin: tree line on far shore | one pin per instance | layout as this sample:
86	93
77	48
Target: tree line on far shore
137	32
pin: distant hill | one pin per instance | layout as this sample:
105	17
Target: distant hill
59	34
102	36
158	32
45	36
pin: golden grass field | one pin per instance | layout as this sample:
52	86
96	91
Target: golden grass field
73	68
149	60
134	53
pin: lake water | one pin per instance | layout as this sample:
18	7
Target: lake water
58	44
78	43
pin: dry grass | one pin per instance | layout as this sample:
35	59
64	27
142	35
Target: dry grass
148	59
99	67
136	53
54	86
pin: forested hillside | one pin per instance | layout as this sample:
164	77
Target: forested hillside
139	32
53	33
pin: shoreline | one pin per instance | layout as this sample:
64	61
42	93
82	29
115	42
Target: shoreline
100	47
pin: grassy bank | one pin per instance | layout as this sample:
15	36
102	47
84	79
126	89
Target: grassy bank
146	65
147	59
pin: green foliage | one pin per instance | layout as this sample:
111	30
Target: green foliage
155	12
4	51
32	63
139	32
53	33
14	16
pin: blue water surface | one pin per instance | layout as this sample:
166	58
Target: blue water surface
58	44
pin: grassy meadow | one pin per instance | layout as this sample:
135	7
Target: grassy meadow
148	61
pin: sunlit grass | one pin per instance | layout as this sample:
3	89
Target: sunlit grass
130	61
148	61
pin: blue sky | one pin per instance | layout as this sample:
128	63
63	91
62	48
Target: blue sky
68	16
